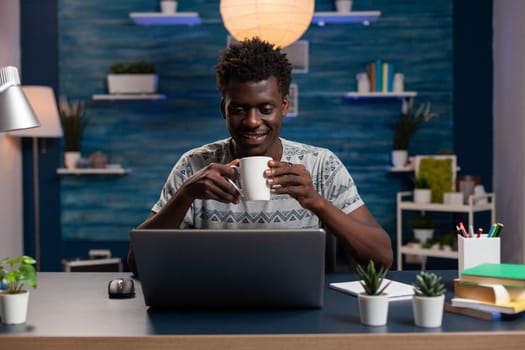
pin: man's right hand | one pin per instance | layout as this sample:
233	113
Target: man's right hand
211	182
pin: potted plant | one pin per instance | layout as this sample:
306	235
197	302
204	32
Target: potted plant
74	121
428	300
405	128
447	241
373	303
414	243
16	273
423	227
132	78
422	189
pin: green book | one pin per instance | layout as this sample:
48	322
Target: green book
506	274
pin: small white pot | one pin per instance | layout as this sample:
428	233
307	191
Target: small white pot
399	158
167	6
373	309
428	311
71	159
343	5
13	307
423	234
132	83
422	195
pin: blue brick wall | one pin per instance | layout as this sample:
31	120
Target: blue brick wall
149	136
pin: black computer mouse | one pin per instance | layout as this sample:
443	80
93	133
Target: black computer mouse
121	288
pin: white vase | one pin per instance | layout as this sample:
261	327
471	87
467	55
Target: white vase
373	309
13	307
423	234
168	6
422	195
71	159
428	311
343	5
399	158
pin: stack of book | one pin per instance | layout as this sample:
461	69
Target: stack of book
381	76
490	291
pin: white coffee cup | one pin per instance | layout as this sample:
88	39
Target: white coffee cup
253	186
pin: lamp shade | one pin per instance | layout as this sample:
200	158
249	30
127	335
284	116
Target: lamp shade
42	100
280	22
15	111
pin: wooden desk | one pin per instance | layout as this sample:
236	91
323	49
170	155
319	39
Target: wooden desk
73	311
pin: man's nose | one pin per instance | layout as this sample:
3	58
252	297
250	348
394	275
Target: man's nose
253	118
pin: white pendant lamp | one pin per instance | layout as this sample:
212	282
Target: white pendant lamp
280	22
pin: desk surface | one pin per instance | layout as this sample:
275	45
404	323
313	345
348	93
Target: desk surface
72	310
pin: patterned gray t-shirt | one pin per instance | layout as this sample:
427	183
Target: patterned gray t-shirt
329	176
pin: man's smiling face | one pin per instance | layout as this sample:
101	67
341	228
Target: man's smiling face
254	112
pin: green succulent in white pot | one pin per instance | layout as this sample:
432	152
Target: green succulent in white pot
15	275
373	302
428	300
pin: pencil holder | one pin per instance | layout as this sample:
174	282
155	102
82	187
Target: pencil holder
474	251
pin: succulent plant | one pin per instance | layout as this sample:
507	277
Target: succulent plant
371	278
428	284
422	182
423	222
140	67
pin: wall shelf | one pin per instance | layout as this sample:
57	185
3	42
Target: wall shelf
111	170
110	97
365	17
357	95
377	95
166	19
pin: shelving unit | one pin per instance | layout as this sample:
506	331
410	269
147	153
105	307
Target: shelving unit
166	19
112	170
365	17
475	204
111	97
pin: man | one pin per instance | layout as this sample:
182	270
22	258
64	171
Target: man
310	186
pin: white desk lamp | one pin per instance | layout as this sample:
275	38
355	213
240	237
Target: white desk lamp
15	111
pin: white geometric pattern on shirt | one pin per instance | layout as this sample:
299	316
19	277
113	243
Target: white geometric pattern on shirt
329	177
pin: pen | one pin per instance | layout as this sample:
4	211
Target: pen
497	230
463	229
480	231
491	231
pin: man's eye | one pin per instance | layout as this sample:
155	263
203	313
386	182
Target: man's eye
267	110
236	110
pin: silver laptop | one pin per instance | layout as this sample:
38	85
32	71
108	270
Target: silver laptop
230	268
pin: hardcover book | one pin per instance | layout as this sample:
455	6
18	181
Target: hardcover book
511	307
488	293
506	274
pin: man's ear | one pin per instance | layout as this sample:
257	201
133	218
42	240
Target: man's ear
286	105
223	108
